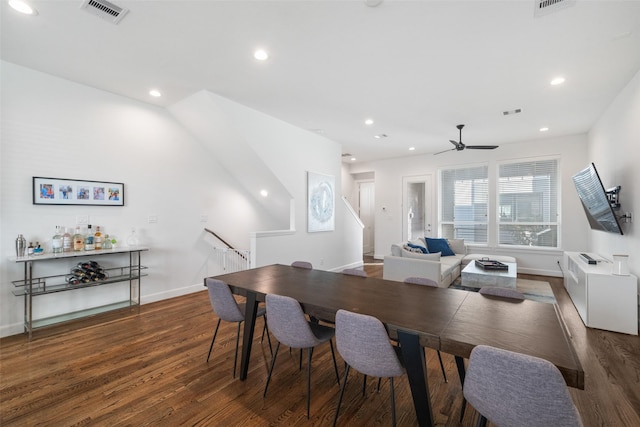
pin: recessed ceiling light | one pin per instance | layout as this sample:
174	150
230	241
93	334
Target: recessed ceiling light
22	7
155	93
412	148
261	55
379	136
353	159
544	129
557	81
368	122
264	193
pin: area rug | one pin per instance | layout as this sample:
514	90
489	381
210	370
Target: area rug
534	290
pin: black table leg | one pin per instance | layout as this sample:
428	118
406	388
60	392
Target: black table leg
251	308
414	363
461	373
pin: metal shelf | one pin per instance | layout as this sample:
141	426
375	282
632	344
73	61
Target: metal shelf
31	286
52	284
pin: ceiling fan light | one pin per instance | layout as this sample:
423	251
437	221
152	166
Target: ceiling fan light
557	81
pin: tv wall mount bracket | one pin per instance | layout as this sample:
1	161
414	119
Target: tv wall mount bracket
613	196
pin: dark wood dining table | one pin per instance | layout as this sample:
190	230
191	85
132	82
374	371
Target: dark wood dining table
450	320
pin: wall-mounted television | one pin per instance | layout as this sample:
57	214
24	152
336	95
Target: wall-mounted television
595	201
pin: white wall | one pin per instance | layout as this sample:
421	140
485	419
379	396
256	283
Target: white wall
571	150
614	147
56	128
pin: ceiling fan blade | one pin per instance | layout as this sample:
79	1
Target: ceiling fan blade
482	147
440	152
456	143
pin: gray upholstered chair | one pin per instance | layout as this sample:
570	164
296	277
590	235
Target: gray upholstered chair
226	308
364	344
495	291
302	264
513	389
423	281
502	292
355	272
288	324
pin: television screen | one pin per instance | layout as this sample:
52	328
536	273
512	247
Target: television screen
595	202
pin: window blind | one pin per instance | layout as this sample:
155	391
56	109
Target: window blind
528	203
464	197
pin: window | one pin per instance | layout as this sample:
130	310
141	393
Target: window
528	204
464	195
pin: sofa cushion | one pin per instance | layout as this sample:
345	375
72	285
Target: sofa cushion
421	248
457	246
430	256
396	249
439	245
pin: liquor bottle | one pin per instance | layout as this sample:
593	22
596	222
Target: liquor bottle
107	242
67	241
78	240
56	241
88	240
30	249
97	239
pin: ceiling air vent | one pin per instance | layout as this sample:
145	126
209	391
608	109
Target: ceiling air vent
545	7
105	10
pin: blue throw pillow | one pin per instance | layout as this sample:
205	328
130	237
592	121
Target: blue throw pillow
439	245
422	248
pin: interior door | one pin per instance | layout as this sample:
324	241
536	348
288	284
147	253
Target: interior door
366	208
417	207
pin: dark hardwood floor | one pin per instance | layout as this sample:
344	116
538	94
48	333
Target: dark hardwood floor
148	368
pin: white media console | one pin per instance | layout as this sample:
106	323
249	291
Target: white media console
603	300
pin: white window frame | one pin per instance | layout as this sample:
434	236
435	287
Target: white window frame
557	223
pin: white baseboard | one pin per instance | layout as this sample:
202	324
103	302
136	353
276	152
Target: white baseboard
356	264
159	296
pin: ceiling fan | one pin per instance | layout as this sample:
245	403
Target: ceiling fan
459	146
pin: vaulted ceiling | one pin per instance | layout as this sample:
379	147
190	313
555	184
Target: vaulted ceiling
417	68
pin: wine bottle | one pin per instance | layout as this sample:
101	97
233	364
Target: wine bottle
89	245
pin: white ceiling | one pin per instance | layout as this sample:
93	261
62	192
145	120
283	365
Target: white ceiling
418	68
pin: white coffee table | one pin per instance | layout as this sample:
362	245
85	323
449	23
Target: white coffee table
475	277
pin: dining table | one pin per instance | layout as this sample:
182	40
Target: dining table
450	320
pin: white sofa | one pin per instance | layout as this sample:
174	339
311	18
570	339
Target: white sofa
402	263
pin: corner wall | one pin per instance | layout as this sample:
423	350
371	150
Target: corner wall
614	147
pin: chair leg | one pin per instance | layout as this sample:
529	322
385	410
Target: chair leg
379	381
444	374
482	421
344	385
310	353
461	374
335	365
235	356
393	403
364	385
273	362
300	364
266	329
213	340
